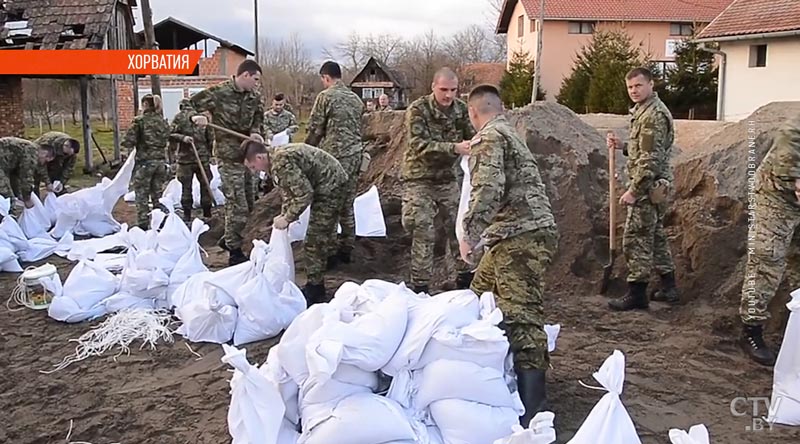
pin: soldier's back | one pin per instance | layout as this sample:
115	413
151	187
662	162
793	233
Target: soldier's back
153	136
343	129
322	170
781	166
13	150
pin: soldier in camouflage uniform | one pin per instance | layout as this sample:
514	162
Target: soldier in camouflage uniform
305	175
335	127
61	167
510	215
776	202
183	133
149	135
236	105
279	119
19	159
438	131
645	242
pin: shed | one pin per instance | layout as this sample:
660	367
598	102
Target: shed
376	79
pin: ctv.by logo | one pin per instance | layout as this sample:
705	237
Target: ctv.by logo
758	408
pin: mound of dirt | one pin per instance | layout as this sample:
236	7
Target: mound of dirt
708	219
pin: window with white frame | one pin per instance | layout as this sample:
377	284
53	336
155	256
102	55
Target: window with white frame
371	93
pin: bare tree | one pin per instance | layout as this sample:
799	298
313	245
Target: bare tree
350	51
288	69
384	47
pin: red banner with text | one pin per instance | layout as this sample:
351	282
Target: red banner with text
94	61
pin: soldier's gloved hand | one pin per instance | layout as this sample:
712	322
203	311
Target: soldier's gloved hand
280	223
187	139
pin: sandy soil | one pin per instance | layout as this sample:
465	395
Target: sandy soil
683	366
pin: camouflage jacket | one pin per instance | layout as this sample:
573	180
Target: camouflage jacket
781	166
181	127
508	196
384	108
19	159
304	174
650	146
335	121
149	134
432	136
62	166
232	108
275	123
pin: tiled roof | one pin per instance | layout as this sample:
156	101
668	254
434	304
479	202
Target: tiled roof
744	17
56	24
490	73
702	11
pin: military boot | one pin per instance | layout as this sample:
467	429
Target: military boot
236	257
187	215
635	298
314	294
343	257
531	387
207	212
464	280
421	289
752	342
667	293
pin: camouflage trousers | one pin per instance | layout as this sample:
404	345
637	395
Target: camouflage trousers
773	241
351	166
9	188
645	244
513	270
251	182
147	182
186	171
325	212
421	201
236	186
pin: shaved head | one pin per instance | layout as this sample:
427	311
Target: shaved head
445	74
445	87
486	100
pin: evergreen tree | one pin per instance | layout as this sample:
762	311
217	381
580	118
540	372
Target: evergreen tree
597	82
517	82
692	82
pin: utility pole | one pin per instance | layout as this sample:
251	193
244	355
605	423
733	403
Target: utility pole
538	66
255	20
150	42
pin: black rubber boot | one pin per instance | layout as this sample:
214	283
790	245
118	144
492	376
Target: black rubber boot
187	215
207	212
333	262
752	342
343	257
464	280
314	293
421	289
531	385
635	298
236	257
668	292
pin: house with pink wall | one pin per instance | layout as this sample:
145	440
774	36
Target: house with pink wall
655	26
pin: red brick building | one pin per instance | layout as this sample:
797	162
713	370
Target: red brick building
213	68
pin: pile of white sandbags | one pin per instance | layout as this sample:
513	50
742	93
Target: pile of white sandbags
27	240
249	302
174	189
367	212
327	378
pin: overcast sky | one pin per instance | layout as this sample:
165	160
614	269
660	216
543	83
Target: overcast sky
321	22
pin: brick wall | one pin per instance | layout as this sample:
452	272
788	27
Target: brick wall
11	109
222	62
125	92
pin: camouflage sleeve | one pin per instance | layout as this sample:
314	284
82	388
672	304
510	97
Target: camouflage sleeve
419	136
488	180
42	174
317	120
130	139
788	166
67	169
258	119
27	170
204	100
652	136
176	131
296	190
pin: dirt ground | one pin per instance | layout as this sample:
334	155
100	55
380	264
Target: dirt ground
681	368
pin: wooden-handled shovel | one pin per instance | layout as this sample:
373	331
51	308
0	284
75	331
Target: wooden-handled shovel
202	172
612	220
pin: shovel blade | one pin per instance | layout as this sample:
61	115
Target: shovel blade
607	274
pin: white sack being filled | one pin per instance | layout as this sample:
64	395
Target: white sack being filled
784	405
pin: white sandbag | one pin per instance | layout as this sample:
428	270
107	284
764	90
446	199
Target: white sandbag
205	318
473	383
427	314
70	212
111	261
174	239
698	434
298	228
171	196
256	411
191	262
118	186
318	397
126	301
129	197
67	310
369	214
156	219
34	221
289	389
5	206
101	244
83	292
784	406
13	233
481	342
264	312
51	207
280	264
539	431
363	419
291	348
190	287
608	421
463	203
9	261
466	422
367	340
552	332
280	139
216	182
40	247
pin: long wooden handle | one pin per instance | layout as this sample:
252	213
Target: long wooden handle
203	172
226	130
612	198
